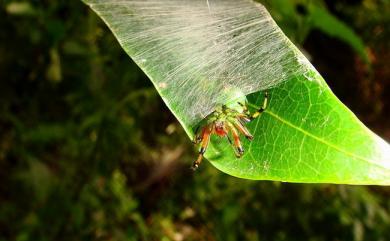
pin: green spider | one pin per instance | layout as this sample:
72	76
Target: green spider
227	118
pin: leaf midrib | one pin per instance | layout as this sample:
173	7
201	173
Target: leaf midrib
304	132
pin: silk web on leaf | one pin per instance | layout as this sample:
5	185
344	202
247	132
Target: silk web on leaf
200	53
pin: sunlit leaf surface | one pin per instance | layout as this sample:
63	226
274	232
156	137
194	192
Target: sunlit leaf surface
199	53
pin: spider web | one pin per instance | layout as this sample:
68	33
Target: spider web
201	53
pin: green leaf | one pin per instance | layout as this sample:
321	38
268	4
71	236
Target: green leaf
307	135
200	54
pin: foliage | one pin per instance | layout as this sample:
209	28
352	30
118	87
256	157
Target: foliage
305	134
89	151
306	15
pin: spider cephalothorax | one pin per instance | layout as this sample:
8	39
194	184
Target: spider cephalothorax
226	121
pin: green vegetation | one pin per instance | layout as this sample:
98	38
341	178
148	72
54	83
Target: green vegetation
305	134
88	151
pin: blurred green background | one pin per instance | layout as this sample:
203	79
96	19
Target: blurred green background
88	150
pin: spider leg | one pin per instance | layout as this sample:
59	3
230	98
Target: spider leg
245	108
261	109
230	140
237	143
198	138
243	118
206	132
238	124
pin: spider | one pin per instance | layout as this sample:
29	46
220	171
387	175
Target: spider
226	118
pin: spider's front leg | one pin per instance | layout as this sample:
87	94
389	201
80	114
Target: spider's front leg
246	116
204	140
261	109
